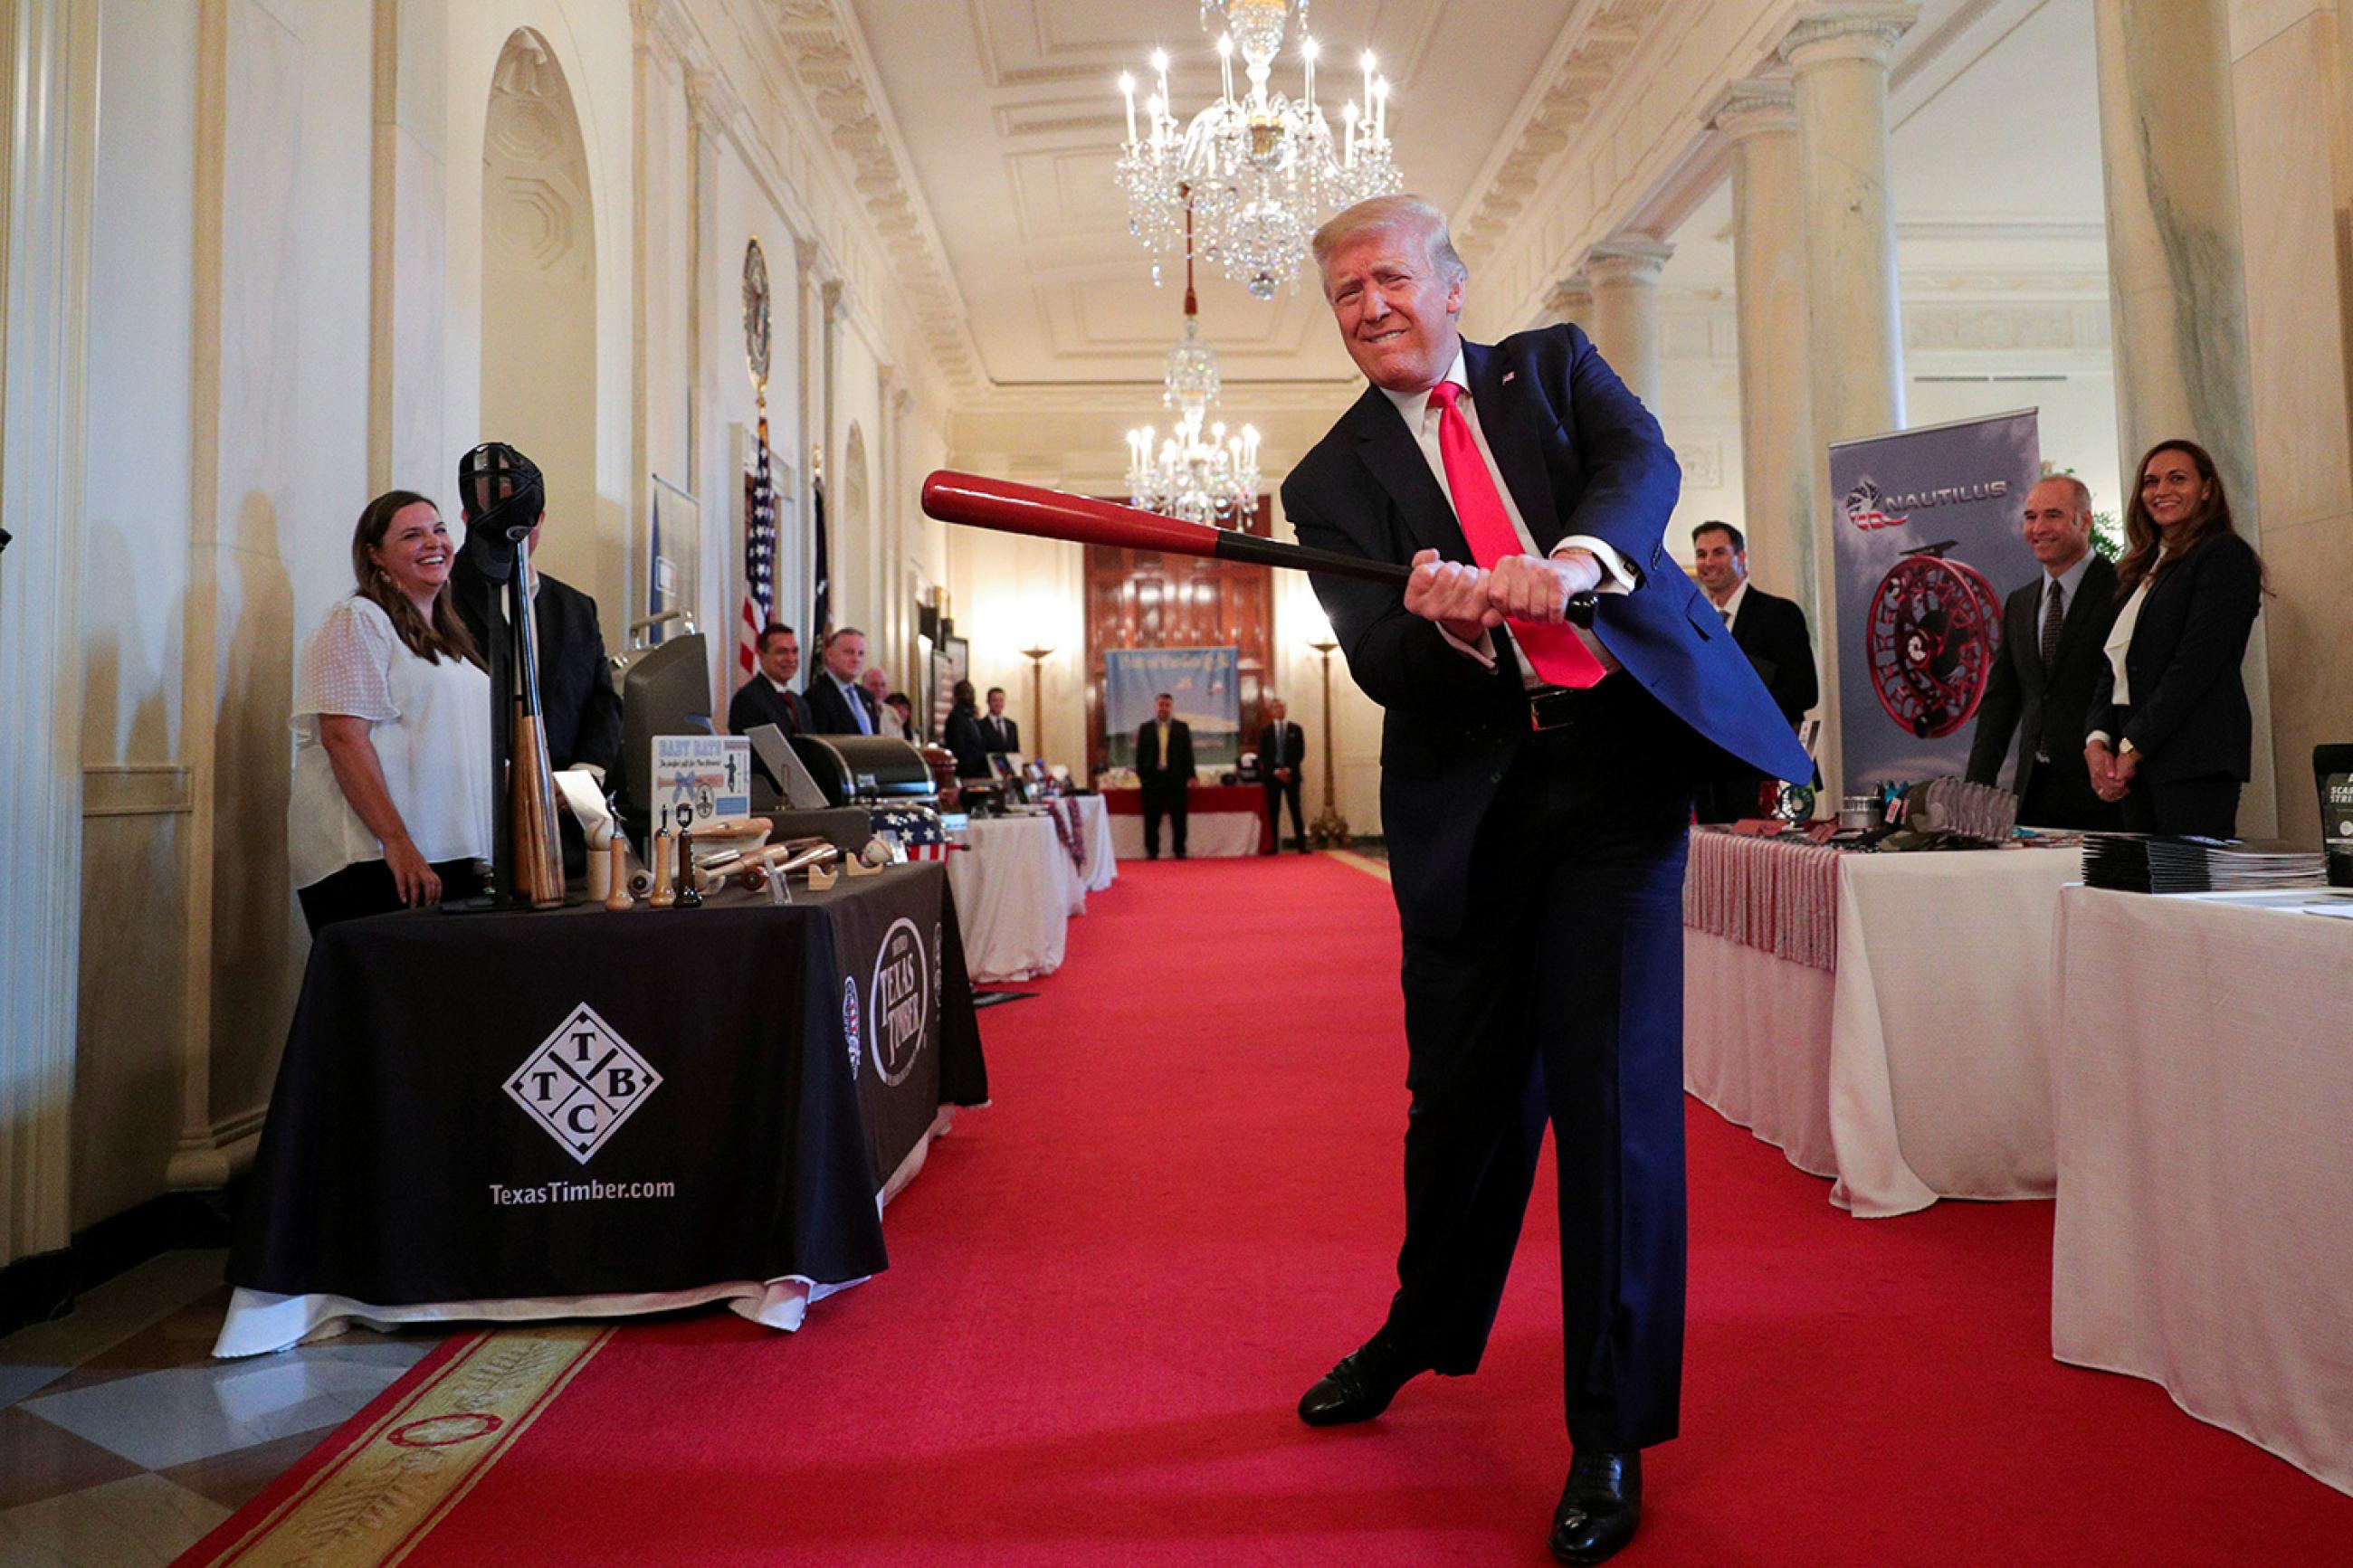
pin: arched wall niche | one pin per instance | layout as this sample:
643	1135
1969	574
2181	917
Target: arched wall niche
539	303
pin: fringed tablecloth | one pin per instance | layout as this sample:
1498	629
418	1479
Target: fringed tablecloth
1775	895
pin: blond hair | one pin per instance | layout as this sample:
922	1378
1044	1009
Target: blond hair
1388	214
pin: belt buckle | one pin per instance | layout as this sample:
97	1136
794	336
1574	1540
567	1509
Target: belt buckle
1552	707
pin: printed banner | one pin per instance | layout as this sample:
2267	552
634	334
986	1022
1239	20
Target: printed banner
1927	545
697	777
1206	683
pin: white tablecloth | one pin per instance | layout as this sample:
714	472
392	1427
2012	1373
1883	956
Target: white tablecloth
2204	1100
1014	894
1917	1066
1100	869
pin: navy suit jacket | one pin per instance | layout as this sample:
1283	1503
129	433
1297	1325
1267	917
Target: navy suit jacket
757	702
830	714
2188	711
1581	454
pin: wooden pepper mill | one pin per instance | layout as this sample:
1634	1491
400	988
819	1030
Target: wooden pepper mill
619	899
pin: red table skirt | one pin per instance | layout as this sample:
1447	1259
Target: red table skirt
1203	797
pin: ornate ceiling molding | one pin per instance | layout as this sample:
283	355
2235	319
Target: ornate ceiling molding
1848	30
1590	55
821	43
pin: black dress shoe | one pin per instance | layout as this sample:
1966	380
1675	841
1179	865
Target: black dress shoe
1599	1507
1361	1386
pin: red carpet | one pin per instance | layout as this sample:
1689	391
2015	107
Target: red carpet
1108	1289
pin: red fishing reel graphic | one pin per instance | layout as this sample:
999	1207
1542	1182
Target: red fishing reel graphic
1934	633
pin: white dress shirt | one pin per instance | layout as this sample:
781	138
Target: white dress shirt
1421	416
425	722
1730	608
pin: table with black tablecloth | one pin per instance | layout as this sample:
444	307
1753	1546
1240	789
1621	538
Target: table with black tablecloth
510	1116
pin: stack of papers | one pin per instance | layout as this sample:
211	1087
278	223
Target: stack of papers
2159	863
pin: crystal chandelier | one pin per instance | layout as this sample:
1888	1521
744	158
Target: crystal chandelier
1262	171
1195	476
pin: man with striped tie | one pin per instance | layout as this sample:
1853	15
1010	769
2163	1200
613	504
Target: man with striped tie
2052	633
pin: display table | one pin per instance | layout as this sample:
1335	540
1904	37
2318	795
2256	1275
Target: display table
578	1113
1880	1018
1221	820
1099	866
1015	890
2203	1093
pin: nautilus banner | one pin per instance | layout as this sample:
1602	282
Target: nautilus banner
1928	546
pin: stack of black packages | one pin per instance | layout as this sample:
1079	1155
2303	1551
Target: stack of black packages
2165	863
2118	861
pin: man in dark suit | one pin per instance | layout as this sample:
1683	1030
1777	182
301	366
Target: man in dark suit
1281	747
768	698
997	732
1163	765
1772	632
1535	785
580	710
837	704
2052	636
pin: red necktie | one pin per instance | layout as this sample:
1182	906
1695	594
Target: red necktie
1556	652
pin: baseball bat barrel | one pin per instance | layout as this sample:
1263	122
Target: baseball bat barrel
978	501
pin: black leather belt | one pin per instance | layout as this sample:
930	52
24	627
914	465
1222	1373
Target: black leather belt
1558	707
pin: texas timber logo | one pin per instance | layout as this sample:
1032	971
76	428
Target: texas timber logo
901	996
582	1082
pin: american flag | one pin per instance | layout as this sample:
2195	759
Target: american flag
759	555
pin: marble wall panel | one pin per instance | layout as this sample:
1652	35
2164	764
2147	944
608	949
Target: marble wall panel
2310	642
424	454
2255	23
127	1056
2295	272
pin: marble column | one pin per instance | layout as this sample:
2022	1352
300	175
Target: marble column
1624	274
1838	55
2178	279
1569	302
48	139
1779	462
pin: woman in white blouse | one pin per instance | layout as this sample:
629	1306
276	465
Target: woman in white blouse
2171	735
392	796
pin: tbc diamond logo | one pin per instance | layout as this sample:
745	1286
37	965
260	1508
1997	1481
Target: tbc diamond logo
582	1082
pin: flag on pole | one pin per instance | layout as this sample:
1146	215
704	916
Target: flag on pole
821	574
759	553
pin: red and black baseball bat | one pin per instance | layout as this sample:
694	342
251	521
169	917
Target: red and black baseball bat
978	501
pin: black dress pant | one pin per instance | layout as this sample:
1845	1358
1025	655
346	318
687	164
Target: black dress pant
2053	799
1277	792
1164	800
1560	1000
366	888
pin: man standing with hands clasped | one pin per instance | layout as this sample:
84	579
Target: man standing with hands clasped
1535	790
1163	766
1282	745
2040	689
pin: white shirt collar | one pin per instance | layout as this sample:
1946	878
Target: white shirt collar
1730	608
2070	579
1412	406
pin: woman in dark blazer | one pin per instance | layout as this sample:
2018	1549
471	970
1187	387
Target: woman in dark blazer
2170	732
